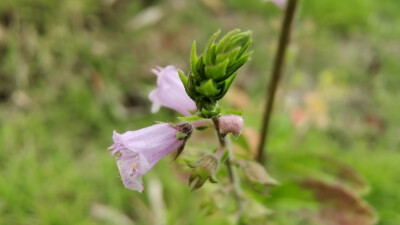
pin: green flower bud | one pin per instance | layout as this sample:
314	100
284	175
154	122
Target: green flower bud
212	73
204	169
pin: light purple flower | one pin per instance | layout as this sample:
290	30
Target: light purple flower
170	92
140	150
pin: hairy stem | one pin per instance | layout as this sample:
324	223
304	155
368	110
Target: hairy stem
225	144
277	68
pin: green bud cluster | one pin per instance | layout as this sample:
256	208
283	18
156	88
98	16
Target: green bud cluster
212	73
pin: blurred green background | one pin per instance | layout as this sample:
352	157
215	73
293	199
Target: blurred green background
72	71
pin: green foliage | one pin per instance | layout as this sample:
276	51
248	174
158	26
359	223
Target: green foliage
71	72
337	15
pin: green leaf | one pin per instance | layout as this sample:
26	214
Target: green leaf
245	46
190	119
193	57
209	57
238	63
210	48
232	112
188	84
231	55
240	39
183	78
199	72
226	40
216	71
227	85
207	88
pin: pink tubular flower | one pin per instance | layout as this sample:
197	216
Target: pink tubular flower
140	150
170	92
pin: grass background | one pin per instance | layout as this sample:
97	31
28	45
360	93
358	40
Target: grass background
73	71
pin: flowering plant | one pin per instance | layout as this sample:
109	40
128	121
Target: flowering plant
195	96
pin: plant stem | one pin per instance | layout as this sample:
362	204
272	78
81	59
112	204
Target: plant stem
276	74
225	143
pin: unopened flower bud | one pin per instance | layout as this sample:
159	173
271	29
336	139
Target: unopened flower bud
204	169
230	124
212	73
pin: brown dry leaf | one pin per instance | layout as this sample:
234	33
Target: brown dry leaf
237	98
345	174
339	206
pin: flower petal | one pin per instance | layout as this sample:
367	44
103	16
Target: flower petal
170	91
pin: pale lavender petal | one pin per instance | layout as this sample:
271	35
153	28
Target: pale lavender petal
149	139
140	150
129	169
170	91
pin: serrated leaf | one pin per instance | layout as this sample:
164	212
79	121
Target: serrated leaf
231	55
199	75
240	39
216	71
209	51
238	63
245	46
210	55
207	88
227	84
221	46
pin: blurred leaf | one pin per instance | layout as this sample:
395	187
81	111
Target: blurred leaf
255	174
248	143
338	205
326	168
344	173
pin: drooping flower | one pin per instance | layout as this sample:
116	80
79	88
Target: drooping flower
170	92
140	150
